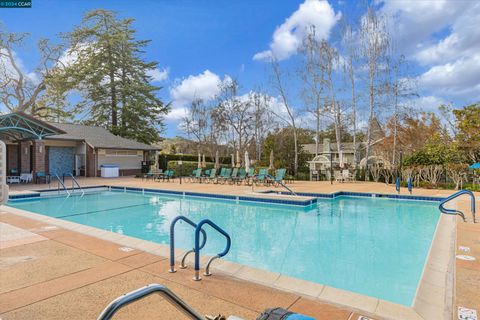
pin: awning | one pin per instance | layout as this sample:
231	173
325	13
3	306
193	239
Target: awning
18	126
475	166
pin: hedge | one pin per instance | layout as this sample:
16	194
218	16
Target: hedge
186	168
164	159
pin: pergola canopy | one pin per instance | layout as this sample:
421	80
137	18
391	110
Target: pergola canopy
19	126
375	160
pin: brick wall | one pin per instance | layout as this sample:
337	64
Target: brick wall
39	156
12	157
90	162
25	156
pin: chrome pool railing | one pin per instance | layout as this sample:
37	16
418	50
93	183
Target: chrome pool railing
75	182
198	247
141	293
60	182
442	208
172	242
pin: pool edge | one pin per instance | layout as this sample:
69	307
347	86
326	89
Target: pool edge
421	308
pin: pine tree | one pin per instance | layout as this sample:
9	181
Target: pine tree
108	69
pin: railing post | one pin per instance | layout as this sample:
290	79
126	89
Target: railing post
172	239
197	246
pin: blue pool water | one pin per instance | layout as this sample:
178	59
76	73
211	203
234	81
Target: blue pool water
371	246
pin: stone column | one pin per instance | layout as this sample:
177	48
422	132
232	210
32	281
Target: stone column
24	154
39	156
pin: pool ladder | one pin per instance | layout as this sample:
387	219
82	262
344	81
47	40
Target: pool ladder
198	246
458	212
75	182
141	293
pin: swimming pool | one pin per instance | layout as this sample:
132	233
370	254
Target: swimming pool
372	246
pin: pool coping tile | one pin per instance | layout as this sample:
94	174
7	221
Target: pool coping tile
423	307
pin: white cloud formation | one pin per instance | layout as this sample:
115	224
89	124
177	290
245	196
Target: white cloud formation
205	86
288	37
428	103
158	75
177	114
459	78
444	37
414	22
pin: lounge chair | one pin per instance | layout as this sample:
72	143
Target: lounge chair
279	176
262	176
198	176
169	174
250	176
212	176
242	175
338	176
233	176
226	175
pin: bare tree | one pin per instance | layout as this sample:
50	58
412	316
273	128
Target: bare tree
21	90
278	82
312	74
263	121
197	122
237	114
374	43
351	50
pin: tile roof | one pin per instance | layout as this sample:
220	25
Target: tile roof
97	137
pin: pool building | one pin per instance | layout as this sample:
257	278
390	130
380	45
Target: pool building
36	146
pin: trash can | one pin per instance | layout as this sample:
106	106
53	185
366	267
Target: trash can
109	171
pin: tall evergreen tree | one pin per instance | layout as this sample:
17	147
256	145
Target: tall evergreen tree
106	65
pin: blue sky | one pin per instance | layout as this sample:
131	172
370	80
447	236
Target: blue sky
198	42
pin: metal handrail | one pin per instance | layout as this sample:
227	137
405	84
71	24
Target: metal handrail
60	182
141	293
74	181
197	247
280	183
172	242
453	211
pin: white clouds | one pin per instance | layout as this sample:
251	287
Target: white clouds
205	86
428	103
444	37
288	37
458	78
158	75
176	114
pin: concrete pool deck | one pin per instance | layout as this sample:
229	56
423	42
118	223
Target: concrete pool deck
436	288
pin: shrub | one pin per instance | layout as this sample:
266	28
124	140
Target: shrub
186	168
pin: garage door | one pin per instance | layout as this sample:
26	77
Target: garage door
61	160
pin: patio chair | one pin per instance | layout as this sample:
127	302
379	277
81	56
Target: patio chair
346	175
233	176
250	176
242	175
41	176
169	174
198	176
338	176
192	176
226	175
211	176
262	176
26	177
279	176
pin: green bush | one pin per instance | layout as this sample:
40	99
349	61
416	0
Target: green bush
164	159
186	168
